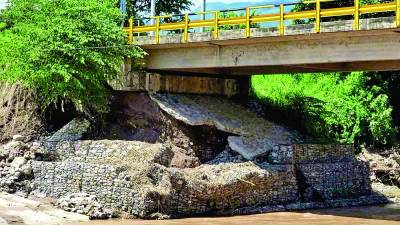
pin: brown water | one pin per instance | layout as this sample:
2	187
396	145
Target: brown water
382	215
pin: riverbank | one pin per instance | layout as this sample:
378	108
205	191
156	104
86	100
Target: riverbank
17	210
374	215
189	158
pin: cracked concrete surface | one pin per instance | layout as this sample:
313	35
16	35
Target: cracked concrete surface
252	136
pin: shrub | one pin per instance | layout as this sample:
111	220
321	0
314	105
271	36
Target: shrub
65	50
341	107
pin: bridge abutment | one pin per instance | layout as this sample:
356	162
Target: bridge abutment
134	79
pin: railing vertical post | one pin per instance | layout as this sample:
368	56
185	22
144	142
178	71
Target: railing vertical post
186	29
318	16
282	20
398	13
130	35
216	18
157	36
248	32
356	14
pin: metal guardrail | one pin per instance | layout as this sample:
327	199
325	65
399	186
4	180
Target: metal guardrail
248	19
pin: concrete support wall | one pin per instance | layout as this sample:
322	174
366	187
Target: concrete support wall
138	80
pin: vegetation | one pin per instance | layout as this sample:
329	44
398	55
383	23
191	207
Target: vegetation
333	4
64	50
348	108
336	4
136	7
345	107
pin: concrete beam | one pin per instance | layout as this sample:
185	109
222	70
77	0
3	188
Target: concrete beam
375	50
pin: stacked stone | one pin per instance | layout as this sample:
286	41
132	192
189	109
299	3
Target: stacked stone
228	187
92	151
15	165
176	192
281	154
111	187
136	178
85	204
315	153
327	172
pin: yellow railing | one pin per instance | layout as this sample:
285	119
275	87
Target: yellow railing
250	19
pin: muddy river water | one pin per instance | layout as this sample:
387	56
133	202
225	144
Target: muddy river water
382	215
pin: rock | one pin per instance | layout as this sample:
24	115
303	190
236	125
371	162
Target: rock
26	170
18	137
18	162
181	160
384	166
85	204
4	153
158	216
73	131
227	156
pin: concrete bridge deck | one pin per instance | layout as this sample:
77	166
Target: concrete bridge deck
375	47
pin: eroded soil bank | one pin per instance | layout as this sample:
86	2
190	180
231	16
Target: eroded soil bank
167	156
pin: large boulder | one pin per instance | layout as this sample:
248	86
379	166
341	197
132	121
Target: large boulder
73	131
85	204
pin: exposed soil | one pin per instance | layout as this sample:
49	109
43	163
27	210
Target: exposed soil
19	113
135	116
384	164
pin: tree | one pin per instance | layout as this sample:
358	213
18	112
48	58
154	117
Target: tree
137	7
64	50
335	4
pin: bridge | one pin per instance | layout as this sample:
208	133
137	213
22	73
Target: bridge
338	45
353	38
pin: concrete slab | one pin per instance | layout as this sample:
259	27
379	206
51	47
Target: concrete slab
252	136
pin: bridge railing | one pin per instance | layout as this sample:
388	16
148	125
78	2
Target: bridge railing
184	24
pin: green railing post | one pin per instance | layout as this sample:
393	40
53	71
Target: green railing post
281	19
216	18
318	16
186	29
356	14
248	31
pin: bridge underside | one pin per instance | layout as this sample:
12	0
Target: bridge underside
373	50
389	65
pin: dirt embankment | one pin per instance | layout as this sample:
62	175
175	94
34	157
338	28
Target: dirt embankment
385	169
182	155
19	112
